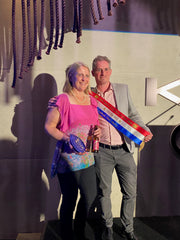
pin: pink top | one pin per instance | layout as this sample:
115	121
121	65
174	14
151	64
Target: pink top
76	119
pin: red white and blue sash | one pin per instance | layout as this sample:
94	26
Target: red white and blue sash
120	121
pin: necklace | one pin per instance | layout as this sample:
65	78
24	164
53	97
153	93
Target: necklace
77	99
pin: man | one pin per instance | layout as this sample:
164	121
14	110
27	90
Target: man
115	151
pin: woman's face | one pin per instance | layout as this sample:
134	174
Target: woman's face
82	78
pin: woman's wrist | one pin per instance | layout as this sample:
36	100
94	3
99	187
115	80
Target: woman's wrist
65	137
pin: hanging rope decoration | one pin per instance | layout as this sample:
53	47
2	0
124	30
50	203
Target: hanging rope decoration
79	27
24	39
54	16
109	7
57	25
14	42
101	17
29	31
121	1
63	24
93	12
51	27
75	23
41	31
34	49
32	41
117	2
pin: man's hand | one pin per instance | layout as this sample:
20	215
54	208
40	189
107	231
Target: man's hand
52	102
148	137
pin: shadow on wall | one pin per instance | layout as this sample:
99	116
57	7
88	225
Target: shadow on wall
158	176
25	195
29	118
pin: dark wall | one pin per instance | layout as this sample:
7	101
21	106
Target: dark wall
158	187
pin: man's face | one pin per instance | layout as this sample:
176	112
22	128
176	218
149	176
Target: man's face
102	72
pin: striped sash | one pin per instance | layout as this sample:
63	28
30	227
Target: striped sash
120	121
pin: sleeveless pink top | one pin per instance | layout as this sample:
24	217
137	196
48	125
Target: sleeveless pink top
76	119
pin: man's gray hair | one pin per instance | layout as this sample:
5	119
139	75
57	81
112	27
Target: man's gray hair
100	58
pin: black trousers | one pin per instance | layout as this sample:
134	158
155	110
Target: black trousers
85	181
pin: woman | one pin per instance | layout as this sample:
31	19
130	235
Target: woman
76	113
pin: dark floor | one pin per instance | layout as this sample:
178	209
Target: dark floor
151	228
158	228
146	228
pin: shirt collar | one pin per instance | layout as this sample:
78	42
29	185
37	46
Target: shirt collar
110	88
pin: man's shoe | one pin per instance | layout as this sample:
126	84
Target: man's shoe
130	236
107	234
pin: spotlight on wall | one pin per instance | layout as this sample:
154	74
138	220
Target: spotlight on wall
151	91
175	139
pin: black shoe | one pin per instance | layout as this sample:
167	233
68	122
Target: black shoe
130	236
107	234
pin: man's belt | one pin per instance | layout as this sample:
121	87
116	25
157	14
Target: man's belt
120	121
113	147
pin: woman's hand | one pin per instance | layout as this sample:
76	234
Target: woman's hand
65	137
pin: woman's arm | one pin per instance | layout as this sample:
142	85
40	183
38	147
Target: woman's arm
52	120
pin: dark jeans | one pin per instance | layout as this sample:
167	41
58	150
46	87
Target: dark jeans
85	181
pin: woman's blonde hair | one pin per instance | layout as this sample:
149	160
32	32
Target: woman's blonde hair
71	70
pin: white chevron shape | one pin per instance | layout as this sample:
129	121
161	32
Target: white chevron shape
163	91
